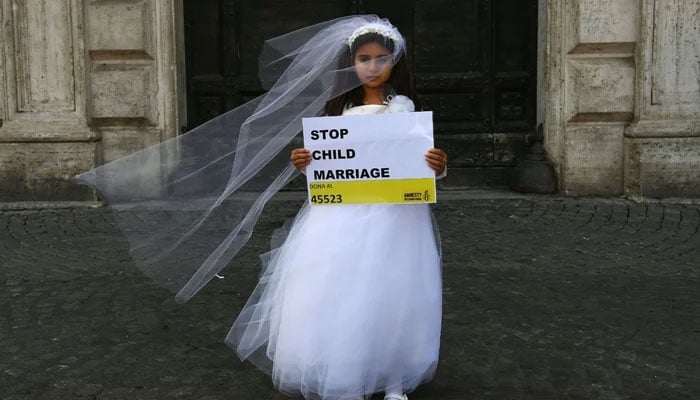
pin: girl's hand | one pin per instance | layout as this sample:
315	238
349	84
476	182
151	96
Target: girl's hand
300	158
437	160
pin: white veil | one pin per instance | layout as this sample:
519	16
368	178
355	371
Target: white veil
188	205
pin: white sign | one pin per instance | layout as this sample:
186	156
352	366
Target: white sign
374	158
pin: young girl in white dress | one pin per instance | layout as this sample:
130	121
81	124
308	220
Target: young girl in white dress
350	304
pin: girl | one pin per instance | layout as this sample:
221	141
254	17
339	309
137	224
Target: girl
350	304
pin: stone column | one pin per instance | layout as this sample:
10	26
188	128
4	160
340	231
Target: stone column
44	135
662	145
132	73
83	82
588	91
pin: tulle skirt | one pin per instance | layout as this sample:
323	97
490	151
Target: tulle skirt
349	304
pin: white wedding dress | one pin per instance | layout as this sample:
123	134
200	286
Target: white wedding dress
350	303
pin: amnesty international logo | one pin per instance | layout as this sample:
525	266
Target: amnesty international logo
416	196
412	196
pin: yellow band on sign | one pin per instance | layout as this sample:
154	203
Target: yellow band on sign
397	191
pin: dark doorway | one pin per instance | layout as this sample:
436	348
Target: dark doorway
475	63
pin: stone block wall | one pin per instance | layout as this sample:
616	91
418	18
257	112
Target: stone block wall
662	145
44	136
83	82
621	100
590	86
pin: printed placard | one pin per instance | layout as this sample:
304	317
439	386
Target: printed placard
369	159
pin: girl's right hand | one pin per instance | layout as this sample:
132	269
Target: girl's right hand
300	158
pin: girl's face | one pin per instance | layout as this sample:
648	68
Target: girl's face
373	64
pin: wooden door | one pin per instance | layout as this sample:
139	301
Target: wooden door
475	63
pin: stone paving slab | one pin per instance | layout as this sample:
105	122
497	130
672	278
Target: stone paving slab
545	298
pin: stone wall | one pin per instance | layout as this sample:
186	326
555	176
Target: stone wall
621	96
662	145
83	82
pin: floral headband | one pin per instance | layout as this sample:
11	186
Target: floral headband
388	32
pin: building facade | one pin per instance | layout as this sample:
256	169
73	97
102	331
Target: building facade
621	96
83	82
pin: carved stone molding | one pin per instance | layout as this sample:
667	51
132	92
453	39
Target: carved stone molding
668	79
3	68
589	90
42	69
600	86
676	53
123	95
133	49
127	25
44	55
123	81
601	21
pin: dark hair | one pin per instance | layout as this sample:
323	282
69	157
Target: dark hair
401	79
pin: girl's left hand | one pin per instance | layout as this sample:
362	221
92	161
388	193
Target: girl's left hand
437	160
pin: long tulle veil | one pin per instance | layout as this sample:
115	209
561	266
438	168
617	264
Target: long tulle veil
188	205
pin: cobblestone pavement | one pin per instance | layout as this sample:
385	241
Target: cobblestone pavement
545	298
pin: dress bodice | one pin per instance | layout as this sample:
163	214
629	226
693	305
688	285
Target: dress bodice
365	109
